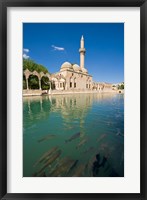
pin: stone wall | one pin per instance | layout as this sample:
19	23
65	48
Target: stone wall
33	92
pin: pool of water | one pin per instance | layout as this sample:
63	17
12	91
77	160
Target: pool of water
73	135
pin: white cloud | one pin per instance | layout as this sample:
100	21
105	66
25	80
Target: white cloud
25	53
26	50
58	48
25	56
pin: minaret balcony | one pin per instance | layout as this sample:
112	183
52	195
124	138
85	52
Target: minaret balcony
82	50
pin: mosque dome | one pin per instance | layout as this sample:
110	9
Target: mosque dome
76	67
66	65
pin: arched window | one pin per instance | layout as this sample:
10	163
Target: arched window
87	83
53	85
75	84
70	82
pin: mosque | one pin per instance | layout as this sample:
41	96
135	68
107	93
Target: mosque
75	77
72	77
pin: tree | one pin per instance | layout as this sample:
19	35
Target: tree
32	66
45	83
24	83
121	87
33	80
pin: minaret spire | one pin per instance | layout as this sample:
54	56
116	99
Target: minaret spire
82	51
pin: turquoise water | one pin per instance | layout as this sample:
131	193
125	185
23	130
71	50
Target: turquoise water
73	135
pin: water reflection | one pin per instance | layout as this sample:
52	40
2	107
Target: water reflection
69	106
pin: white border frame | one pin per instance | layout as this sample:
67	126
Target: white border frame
131	182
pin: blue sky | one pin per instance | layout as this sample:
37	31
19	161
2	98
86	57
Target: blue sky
51	44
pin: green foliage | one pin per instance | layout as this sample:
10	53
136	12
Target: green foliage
121	87
24	83
45	85
33	82
32	66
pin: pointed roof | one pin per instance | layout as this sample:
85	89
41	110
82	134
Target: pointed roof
82	38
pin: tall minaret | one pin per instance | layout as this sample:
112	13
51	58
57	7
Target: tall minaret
82	51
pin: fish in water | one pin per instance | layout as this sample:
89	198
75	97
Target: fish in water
64	167
79	172
89	166
81	143
48	153
57	164
73	137
96	165
47	137
89	150
98	157
101	137
43	174
103	161
49	161
73	166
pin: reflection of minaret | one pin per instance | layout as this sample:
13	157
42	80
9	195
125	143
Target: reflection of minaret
82	51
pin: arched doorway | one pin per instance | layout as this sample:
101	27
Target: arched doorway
24	82
53	86
33	82
45	84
